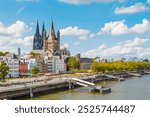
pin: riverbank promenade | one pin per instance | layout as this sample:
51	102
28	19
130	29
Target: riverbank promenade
28	87
34	85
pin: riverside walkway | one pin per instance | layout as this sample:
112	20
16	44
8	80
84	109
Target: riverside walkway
19	84
41	84
27	87
32	84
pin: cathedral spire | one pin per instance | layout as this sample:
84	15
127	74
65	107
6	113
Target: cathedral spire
58	35
53	44
38	42
37	28
43	28
43	31
52	28
52	32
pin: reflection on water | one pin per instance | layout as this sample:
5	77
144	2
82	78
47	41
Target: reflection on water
130	89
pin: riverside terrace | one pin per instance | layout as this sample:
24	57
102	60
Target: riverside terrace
18	88
21	88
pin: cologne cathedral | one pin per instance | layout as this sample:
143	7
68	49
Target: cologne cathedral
48	44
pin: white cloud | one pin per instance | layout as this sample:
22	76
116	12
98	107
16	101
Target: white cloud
127	49
120	28
76	2
83	38
12	37
134	43
114	28
15	29
11	43
26	41
66	45
141	28
82	34
138	7
75	31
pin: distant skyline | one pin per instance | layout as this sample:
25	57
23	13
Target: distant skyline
94	28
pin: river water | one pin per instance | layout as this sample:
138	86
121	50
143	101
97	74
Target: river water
131	89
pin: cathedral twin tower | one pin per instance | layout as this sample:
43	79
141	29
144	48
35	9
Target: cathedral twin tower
49	43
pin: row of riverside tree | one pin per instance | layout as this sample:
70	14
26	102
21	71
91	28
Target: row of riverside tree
35	70
4	69
3	53
73	63
118	66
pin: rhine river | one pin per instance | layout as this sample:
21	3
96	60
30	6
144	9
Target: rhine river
131	89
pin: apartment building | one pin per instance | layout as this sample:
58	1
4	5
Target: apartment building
55	64
13	63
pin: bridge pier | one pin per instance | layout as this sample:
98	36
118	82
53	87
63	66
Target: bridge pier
31	93
73	81
71	85
92	80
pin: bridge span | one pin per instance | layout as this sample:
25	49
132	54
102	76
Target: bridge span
73	81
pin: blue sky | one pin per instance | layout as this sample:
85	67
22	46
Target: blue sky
103	28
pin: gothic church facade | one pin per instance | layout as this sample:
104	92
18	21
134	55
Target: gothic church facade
50	44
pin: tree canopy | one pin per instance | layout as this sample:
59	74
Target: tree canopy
35	55
35	70
73	63
118	66
4	70
3	53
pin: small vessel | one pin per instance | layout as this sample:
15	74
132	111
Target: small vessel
101	89
121	79
135	74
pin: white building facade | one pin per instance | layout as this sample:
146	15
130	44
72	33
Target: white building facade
32	62
13	63
55	64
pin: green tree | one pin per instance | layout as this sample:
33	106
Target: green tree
35	70
35	55
73	63
4	70
119	66
3	53
95	67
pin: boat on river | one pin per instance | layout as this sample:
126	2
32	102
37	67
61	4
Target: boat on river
101	89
